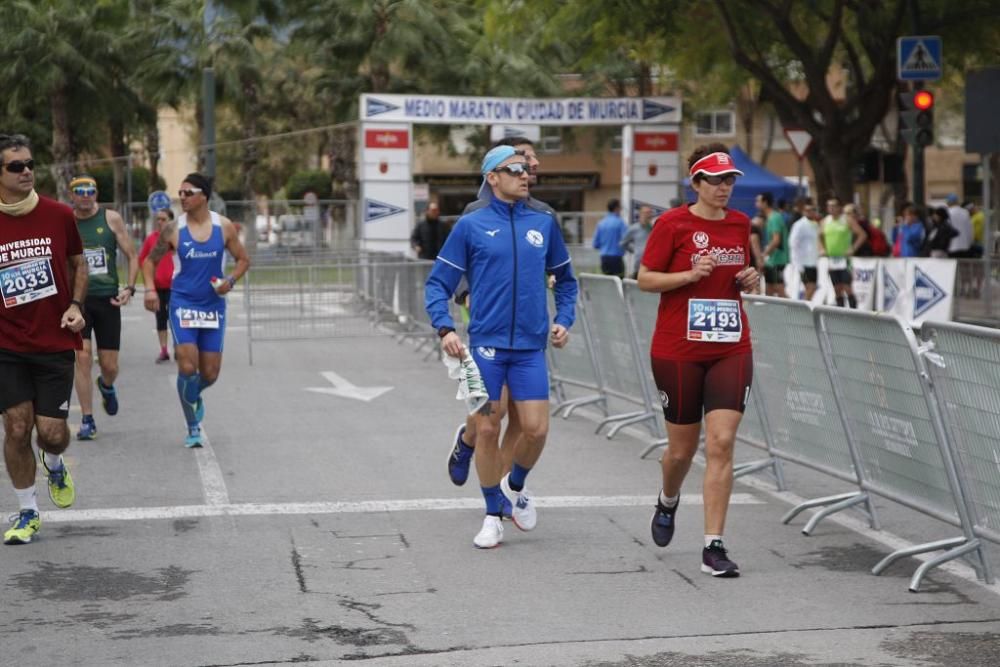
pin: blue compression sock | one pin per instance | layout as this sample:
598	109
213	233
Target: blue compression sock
517	476
494	499
188	391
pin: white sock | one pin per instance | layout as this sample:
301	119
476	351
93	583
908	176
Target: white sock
670	502
711	538
53	461
27	498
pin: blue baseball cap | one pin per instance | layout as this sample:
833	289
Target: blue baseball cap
495	157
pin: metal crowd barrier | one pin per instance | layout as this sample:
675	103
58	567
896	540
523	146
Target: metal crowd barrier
573	367
337	296
891	414
793	391
964	362
620	364
642	308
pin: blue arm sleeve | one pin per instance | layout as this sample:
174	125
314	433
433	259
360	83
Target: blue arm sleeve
449	267
559	265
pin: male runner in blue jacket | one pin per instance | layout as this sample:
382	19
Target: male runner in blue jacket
505	246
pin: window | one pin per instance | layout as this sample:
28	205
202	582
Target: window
714	123
551	140
616	142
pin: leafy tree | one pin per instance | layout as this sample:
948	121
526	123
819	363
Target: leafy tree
315	181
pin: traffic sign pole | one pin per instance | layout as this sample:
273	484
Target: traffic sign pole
800	141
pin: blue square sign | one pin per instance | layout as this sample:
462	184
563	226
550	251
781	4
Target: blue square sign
918	58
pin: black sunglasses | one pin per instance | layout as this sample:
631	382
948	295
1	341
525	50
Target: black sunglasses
514	168
728	179
17	166
189	192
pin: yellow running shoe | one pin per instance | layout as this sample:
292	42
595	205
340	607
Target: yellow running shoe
61	488
25	524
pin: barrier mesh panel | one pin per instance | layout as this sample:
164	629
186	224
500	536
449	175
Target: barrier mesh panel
968	389
799	401
611	335
887	411
572	363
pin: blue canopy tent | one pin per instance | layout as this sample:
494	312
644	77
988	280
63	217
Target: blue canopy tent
755	179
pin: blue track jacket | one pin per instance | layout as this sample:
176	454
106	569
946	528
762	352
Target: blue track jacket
505	251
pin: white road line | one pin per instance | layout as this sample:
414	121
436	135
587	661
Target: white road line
359	507
213	484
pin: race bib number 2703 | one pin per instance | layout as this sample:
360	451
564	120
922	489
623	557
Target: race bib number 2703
195	318
27	282
714	321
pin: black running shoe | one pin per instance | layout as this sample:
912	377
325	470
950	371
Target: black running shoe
715	561
662	525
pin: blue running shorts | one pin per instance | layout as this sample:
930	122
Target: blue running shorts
523	371
201	326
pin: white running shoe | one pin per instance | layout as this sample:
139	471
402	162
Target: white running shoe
522	506
491	534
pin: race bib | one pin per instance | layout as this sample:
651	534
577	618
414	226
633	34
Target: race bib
838	263
194	318
97	261
714	321
27	282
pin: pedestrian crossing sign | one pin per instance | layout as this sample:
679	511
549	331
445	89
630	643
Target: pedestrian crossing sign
918	58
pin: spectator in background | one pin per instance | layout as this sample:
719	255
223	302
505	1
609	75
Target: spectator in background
164	277
635	238
756	247
608	238
840	237
939	235
776	246
961	244
803	245
978	221
429	234
908	237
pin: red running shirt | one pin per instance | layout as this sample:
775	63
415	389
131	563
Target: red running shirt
164	275
677	237
35	282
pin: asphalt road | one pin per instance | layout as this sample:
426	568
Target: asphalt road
320	529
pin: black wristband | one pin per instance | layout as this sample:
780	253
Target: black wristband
460	297
131	289
79	306
444	331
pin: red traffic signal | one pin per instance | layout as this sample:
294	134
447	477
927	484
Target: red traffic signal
923	100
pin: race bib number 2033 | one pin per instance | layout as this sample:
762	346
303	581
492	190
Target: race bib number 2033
27	282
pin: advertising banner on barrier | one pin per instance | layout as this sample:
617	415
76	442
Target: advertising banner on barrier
892	295
864	271
933	284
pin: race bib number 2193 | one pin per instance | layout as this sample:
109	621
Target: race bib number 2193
714	321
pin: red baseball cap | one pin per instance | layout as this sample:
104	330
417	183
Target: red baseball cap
715	164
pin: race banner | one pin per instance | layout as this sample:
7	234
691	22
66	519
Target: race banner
932	282
446	109
864	271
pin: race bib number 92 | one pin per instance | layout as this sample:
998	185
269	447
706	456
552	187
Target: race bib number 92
27	282
714	321
97	261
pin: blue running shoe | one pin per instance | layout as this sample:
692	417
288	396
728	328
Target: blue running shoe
194	437
459	458
109	397
88	429
662	525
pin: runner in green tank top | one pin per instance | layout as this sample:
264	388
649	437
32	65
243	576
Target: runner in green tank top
103	233
840	236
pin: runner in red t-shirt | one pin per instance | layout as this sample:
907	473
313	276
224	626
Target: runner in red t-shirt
163	277
698	259
43	279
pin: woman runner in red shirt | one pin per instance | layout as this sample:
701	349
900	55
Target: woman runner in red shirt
698	258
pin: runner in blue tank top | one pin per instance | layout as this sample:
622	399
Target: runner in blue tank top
199	240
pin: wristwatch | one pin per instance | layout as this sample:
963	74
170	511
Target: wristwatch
444	331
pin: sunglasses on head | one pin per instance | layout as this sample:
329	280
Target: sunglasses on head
728	179
85	191
189	192
514	168
17	166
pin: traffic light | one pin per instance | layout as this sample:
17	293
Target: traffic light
916	117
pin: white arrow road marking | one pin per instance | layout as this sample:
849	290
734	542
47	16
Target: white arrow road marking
345	389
